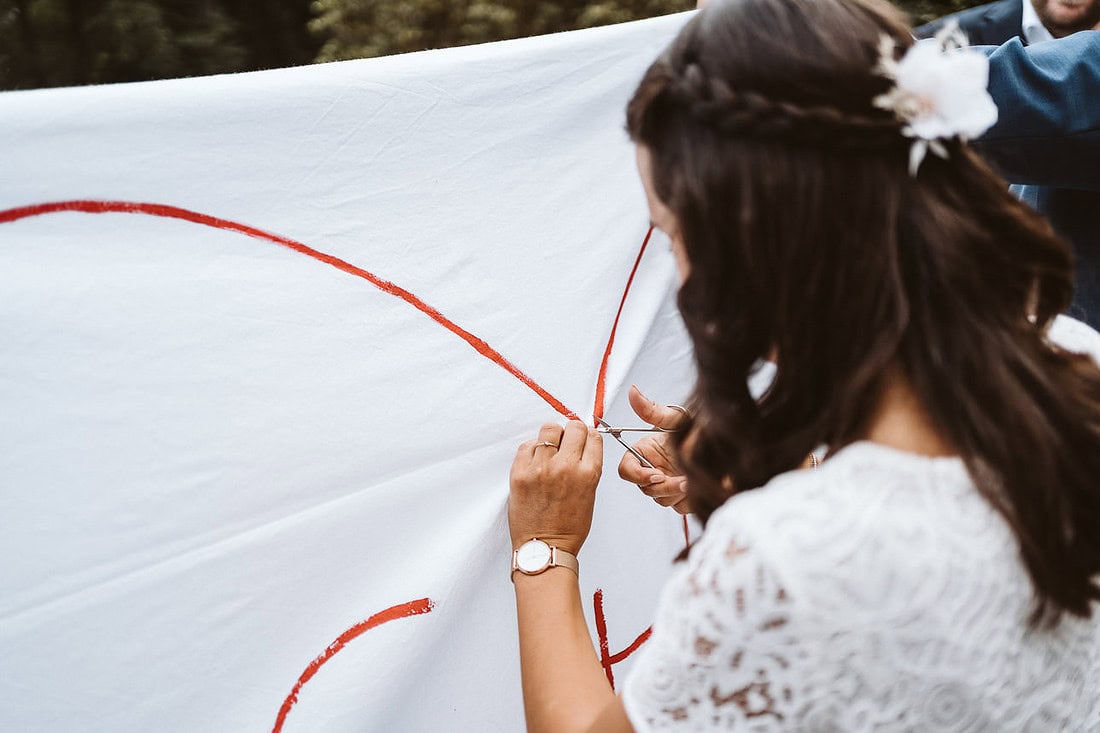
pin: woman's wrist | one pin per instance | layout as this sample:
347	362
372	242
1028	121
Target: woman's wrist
552	577
572	545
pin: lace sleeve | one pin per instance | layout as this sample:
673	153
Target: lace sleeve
723	651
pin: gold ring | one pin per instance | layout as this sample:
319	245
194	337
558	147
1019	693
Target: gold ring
547	443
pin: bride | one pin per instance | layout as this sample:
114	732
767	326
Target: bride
938	570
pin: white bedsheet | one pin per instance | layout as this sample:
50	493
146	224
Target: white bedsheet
263	342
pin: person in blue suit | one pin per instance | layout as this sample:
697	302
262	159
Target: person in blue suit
985	25
1047	141
1072	208
1031	20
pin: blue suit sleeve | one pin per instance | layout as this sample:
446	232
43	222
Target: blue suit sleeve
1048	99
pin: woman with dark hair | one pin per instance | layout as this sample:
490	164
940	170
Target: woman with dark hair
939	569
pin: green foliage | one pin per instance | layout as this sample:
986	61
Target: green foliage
358	28
922	11
64	42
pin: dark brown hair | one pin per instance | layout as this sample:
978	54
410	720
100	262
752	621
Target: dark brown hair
808	239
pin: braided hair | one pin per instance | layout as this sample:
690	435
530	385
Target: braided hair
809	242
716	105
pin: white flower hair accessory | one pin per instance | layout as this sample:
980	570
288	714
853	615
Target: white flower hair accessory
939	91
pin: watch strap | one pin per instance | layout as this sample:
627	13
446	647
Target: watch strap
561	558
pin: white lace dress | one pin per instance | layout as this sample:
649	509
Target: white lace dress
878	592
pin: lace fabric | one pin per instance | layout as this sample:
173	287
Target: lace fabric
877	593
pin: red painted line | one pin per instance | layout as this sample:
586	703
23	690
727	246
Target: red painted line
423	605
601	378
642	639
174	212
607	659
601	634
404	610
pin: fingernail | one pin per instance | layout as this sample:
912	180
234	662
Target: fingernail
656	479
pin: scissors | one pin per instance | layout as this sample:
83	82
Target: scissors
616	433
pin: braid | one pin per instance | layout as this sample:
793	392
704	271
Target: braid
748	113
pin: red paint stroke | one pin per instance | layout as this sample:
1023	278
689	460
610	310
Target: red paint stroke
423	605
601	378
403	610
606	658
174	212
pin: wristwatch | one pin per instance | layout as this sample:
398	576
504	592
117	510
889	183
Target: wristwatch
535	556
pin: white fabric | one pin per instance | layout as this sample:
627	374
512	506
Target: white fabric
219	456
1071	334
878	592
1033	29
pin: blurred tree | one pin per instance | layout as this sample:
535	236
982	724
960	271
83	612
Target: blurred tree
66	42
357	28
275	33
922	11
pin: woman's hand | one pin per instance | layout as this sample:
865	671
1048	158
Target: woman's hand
553	486
664	483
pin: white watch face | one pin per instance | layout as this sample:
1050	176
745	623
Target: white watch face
533	556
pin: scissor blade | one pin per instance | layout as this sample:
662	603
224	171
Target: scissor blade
615	431
631	449
605	427
634	452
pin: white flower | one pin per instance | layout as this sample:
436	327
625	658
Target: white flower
940	92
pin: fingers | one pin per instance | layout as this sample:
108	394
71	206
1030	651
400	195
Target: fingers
593	451
656	450
575	452
552	485
573	440
551	433
661	416
683	506
674	488
632	470
677	500
549	440
668	500
662	483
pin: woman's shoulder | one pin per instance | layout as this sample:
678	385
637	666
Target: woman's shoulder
869	489
880	577
870	517
865	482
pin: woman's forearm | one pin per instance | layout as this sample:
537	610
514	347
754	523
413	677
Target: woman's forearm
564	687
